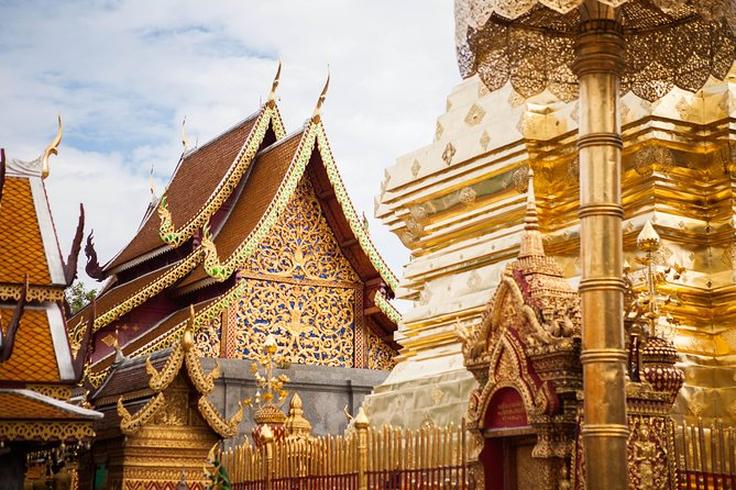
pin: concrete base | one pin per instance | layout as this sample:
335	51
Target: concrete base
325	391
440	398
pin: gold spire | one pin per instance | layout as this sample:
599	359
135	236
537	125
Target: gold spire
276	79
531	239
52	149
322	97
184	136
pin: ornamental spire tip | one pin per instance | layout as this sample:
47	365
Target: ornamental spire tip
52	149
322	96
274	84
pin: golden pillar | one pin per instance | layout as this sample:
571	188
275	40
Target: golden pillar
598	65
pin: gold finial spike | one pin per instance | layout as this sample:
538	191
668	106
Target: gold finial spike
52	149
184	136
531	220
296	402
361	419
531	239
648	239
322	97
274	85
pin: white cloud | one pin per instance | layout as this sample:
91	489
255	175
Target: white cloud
124	73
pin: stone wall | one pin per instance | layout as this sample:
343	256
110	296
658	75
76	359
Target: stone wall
325	391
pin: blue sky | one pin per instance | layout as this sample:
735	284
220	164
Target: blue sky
125	73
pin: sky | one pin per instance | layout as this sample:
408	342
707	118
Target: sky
124	74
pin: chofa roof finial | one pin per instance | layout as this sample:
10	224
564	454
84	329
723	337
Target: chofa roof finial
322	97
274	85
52	149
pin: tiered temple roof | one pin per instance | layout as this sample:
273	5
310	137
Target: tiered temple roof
41	354
221	218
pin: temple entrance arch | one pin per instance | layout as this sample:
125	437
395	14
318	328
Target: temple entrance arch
525	355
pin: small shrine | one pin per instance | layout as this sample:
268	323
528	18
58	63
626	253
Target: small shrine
160	422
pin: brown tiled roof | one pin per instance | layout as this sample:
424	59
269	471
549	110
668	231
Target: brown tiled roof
21	244
113	297
129	377
33	359
267	174
194	182
164	326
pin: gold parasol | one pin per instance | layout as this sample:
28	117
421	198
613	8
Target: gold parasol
596	50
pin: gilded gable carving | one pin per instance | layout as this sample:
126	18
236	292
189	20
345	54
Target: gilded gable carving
301	244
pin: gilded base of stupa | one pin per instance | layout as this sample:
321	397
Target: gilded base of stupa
458	205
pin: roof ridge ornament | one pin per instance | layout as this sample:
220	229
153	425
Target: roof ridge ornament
52	149
531	239
271	100
316	115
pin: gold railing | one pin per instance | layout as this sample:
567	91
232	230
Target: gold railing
706	457
365	458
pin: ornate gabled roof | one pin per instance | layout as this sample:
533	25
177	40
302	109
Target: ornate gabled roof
183	359
288	161
202	182
33	272
534	284
256	202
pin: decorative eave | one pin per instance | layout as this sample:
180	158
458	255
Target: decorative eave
173	236
184	353
50	420
155	286
99	371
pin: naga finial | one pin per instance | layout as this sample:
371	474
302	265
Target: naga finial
184	136
52	149
274	85
322	97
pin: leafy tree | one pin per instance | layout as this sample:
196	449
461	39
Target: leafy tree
78	296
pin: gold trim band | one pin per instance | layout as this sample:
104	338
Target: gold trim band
601	284
598	139
601	209
605	430
603	355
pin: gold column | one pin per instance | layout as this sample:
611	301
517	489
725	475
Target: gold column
598	64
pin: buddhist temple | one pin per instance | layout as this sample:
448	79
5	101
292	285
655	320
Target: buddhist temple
256	233
45	423
572	275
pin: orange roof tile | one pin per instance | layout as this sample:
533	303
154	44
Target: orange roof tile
33	359
195	180
21	245
16	405
267	174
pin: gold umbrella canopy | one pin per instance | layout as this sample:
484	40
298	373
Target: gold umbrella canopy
531	43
